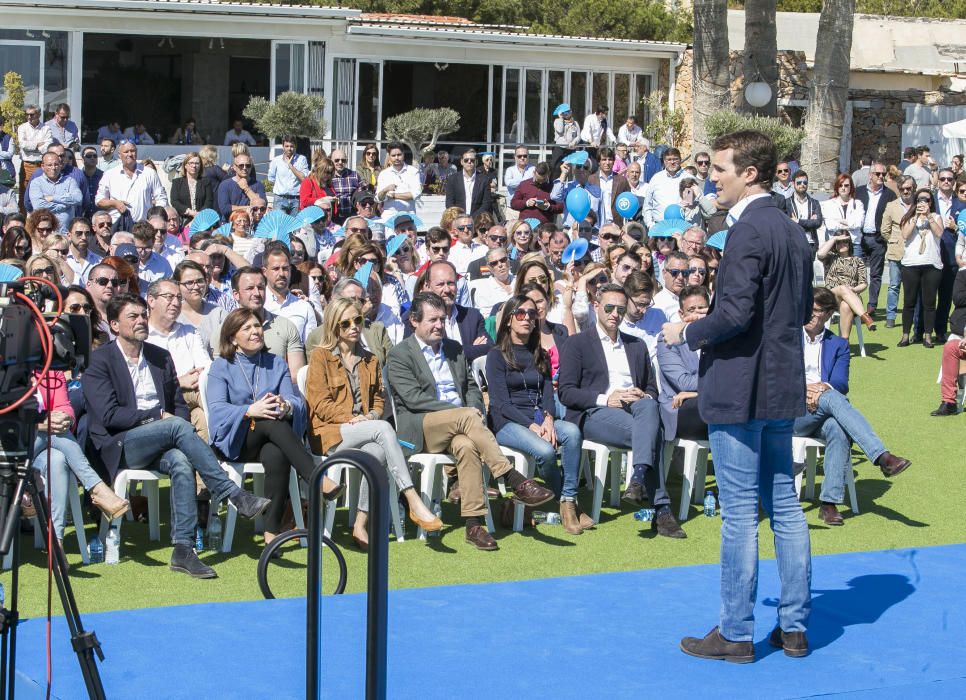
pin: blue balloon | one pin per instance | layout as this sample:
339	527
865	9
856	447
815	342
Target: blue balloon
578	203
673	211
961	222
627	204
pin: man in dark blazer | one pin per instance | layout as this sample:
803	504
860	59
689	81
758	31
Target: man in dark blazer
609	389
948	205
480	198
618	184
439	408
139	420
874	197
679	366
804	209
751	387
829	413
464	324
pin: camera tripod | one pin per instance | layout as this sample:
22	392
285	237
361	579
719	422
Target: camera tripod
16	479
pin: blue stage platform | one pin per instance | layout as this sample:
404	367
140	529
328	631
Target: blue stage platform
884	625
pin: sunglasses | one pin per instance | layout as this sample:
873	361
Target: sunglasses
962	191
338	160
44	271
611	308
357	229
405	250
880	173
367	203
909	189
104	281
522	314
697	271
500	261
946	179
801	183
90	155
522	155
345	324
678	273
468	227
45	229
243	165
77	308
468	160
62	251
439	248
540	279
609	237
498	239
200	282
316	279
702	162
374	261
602	279
254	209
371	153
923	200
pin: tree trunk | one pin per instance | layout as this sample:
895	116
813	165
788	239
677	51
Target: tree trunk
712	80
761	52
828	94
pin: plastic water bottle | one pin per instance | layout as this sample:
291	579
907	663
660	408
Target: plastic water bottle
214	533
644	515
539	517
95	550
199	539
438	512
112	547
553	518
710	505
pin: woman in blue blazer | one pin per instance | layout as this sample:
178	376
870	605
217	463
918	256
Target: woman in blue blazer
255	414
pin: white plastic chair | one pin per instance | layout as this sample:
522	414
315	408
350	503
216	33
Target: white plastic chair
694	471
806	449
237	471
603	456
76	514
149	486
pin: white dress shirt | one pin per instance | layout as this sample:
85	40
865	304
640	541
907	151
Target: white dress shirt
155	268
184	343
618	369
391	320
813	358
140	191
232	136
284	181
468	183
144	388
461	255
663	189
405	180
299	311
628	135
445	385
606	188
668	302
451	328
82	266
33	141
513	176
593	132
868	226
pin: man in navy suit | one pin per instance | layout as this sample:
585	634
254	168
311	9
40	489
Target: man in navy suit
139	420
874	197
609	389
679	367
830	415
948	206
464	324
751	387
469	190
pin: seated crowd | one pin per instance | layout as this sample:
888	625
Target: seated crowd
208	314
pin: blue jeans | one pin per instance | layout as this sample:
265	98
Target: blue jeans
287	203
754	460
636	427
515	436
892	297
65	455
837	420
172	447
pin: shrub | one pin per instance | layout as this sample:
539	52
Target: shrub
291	114
785	137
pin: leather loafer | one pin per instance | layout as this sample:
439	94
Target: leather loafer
477	536
530	493
184	560
434	525
830	515
945	409
634	494
794	643
892	465
665	524
714	646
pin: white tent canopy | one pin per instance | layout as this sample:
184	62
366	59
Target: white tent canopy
956	130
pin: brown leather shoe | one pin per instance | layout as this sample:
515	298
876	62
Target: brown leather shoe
867	320
830	515
714	646
568	518
892	465
794	643
108	502
477	536
453	495
586	522
530	493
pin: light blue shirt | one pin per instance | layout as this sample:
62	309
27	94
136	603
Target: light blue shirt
281	176
445	386
513	177
65	136
65	201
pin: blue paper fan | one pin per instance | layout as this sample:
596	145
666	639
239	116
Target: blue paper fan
668	227
277	226
9	273
718	240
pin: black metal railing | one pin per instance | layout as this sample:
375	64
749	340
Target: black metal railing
378	584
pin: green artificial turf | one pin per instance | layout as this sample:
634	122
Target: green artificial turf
894	387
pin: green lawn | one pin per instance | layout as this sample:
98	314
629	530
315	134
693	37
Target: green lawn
895	388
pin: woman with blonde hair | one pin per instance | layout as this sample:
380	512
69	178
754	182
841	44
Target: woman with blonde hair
210	170
56	247
450	215
317	188
346	402
191	192
369	168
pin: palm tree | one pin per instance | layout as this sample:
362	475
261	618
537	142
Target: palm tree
760	61
712	80
829	92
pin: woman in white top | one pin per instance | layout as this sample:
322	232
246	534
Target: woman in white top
498	287
844	213
921	228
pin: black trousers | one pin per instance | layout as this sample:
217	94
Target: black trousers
945	302
875	249
916	279
690	425
275	445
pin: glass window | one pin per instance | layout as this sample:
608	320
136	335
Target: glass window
578	95
641	94
622	98
343	98
555	95
289	68
533	121
25	59
511	126
368	119
601	91
496	104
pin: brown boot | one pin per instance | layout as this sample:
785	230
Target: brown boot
586	522
568	517
867	320
109	503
